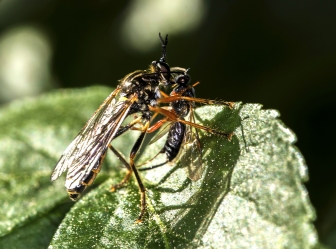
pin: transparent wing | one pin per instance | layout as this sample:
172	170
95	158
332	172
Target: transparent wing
163	131
190	154
84	152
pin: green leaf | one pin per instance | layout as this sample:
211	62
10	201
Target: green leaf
34	133
251	193
38	232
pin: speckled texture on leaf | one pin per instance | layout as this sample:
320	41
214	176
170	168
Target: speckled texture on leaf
251	194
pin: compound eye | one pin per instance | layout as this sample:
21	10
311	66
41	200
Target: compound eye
183	79
164	69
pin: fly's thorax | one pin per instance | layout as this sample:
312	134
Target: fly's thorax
177	72
144	84
145	98
153	98
182	107
184	90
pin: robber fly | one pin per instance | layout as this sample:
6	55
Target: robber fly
183	141
137	92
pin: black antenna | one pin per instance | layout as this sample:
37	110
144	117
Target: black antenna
164	45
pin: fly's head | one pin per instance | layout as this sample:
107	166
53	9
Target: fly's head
180	76
161	67
182	79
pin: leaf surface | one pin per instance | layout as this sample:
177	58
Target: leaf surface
251	194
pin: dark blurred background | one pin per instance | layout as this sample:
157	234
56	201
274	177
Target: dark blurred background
281	54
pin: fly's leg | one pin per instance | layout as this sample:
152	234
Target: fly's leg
131	168
123	129
142	188
157	125
198	100
126	164
121	157
173	117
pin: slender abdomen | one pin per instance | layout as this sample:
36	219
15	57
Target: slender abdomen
174	140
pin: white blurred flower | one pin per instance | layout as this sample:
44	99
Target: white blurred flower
24	62
146	18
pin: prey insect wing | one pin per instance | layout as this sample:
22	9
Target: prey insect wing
86	150
190	154
189	151
161	133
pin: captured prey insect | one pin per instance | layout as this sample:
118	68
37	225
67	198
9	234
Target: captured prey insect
137	92
183	141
